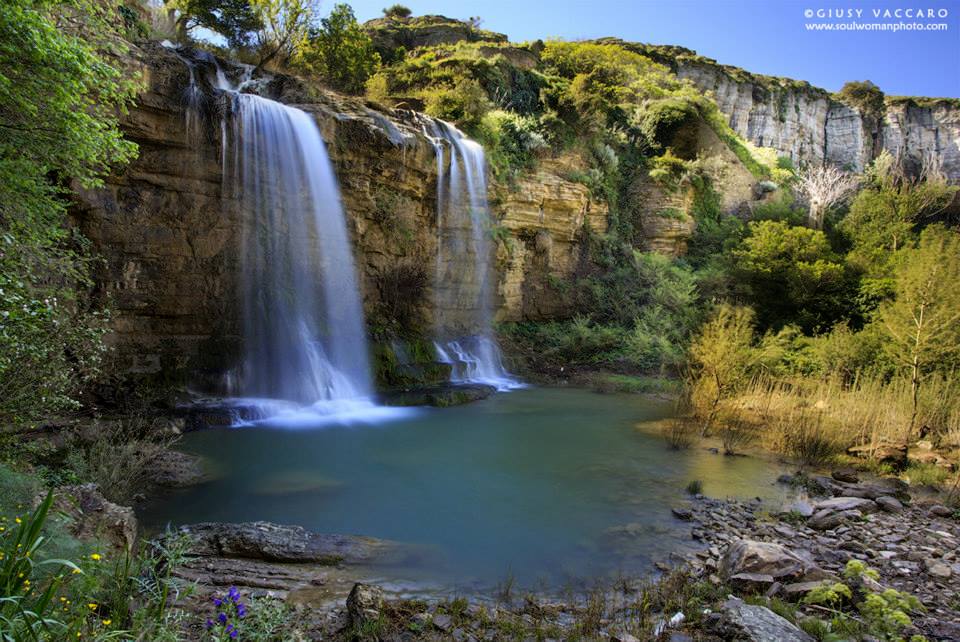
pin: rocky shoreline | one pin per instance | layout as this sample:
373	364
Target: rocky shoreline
749	552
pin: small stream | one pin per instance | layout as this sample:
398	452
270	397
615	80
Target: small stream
546	486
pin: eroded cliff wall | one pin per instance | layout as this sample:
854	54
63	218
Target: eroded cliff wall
169	236
809	125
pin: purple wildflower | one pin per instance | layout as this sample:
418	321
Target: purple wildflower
241	610
209	624
217	601
234	594
232	631
222	618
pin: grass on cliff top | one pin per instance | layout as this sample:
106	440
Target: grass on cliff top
924	102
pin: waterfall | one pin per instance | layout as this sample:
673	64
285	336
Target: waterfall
303	321
464	269
305	345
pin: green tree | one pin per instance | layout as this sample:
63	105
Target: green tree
235	20
792	275
883	217
722	358
284	27
59	100
923	320
340	51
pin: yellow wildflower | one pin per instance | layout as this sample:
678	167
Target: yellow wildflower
107	622
92	605
95	557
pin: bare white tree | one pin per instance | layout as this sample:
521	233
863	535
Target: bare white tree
822	187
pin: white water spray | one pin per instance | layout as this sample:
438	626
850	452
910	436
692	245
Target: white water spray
464	269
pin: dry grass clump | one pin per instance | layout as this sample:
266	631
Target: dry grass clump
683	429
812	421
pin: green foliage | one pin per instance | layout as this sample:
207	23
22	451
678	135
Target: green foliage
397	11
235	20
887	613
865	96
464	103
792	275
923	320
512	142
922	323
660	120
284	26
722	359
883	217
59	100
339	51
831	595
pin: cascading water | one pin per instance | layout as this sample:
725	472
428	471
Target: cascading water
305	342
464	269
304	328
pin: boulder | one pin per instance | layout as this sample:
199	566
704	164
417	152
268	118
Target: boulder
364	604
940	510
92	517
767	559
741	621
889	504
827	519
174	469
939	570
847	475
282	543
682	513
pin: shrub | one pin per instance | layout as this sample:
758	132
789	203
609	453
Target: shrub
808	442
736	433
695	487
865	96
722	357
680	432
117	456
397	11
55	73
464	103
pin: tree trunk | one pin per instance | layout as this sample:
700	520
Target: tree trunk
914	391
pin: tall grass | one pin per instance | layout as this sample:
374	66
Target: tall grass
813	420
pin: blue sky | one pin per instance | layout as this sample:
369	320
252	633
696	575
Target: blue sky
762	36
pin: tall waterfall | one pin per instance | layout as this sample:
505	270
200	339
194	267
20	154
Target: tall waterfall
304	331
464	269
305	346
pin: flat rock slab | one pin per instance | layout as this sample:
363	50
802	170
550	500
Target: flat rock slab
847	503
281	543
759	624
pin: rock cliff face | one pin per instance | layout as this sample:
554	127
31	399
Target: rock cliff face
170	238
808	125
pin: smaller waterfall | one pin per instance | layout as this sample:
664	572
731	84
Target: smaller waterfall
463	288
